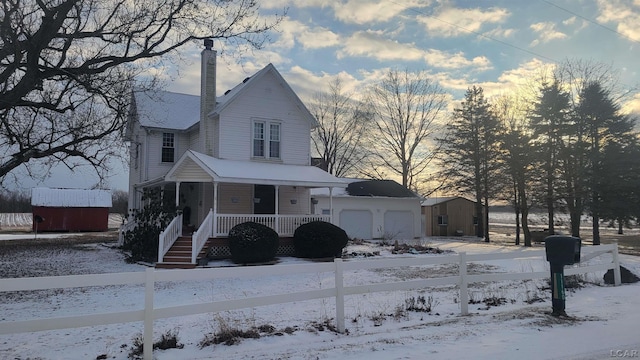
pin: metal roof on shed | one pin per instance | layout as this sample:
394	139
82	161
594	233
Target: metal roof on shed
70	197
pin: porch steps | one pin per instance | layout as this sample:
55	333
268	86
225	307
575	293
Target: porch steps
179	255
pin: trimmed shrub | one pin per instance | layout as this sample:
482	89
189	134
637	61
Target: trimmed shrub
319	239
251	242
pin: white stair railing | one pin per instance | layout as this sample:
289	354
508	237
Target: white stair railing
199	238
169	236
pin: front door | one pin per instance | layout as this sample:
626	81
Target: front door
264	199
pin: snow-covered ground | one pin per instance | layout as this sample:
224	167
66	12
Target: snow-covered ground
508	320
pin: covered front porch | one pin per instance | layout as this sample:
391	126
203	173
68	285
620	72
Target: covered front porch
213	195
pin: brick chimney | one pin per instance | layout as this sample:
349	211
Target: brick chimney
207	96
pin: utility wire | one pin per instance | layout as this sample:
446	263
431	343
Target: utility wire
592	21
477	33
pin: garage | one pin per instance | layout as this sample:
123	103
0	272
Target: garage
357	223
399	224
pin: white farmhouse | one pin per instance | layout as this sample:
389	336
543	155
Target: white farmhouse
242	156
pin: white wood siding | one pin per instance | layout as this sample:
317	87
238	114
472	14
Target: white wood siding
266	99
301	195
235	198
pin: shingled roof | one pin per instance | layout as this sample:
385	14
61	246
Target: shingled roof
386	188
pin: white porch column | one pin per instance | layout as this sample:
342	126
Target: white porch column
331	205
277	225
177	194
214	228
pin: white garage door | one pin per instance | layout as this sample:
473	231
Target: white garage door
357	223
398	224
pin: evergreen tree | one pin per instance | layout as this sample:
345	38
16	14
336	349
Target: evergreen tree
471	147
600	116
549	122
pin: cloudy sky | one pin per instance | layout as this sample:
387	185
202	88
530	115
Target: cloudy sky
492	43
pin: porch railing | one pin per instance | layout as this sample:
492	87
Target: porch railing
199	238
284	225
128	226
169	236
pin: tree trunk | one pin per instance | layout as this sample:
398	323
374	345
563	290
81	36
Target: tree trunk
620	232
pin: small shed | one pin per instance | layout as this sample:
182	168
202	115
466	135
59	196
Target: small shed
70	209
372	209
449	216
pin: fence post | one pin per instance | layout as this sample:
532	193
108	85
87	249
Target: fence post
617	279
147	337
464	293
339	283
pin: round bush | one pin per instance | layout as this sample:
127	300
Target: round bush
251	242
319	239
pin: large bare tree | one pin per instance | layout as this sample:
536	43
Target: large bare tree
343	123
67	67
406	110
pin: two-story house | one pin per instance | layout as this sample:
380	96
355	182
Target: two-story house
242	156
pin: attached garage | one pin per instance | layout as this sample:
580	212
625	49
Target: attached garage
70	209
372	209
357	223
399	223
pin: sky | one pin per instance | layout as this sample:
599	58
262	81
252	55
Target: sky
496	44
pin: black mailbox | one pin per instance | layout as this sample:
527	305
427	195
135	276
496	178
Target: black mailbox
562	249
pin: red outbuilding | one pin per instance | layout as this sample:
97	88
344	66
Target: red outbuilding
70	209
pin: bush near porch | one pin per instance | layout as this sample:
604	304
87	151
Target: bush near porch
319	239
251	242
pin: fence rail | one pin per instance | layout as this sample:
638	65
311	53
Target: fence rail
150	313
284	225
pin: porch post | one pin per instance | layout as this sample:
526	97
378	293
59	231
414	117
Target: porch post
177	194
277	225
214	228
331	205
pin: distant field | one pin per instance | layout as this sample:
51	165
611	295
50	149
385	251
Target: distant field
23	221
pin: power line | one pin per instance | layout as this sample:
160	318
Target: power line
591	21
477	33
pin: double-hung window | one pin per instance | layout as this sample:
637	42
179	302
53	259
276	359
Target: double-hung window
266	139
168	147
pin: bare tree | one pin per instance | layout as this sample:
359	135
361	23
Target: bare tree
67	65
338	139
406	110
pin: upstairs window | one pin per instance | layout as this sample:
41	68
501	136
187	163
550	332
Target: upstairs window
168	147
258	139
274	141
266	139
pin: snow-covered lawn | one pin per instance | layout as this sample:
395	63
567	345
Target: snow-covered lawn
507	319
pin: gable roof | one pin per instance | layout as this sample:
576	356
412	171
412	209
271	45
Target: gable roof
231	95
370	188
195	166
176	111
167	110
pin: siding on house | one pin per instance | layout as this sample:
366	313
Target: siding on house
264	97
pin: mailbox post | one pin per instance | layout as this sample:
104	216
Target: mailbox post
561	250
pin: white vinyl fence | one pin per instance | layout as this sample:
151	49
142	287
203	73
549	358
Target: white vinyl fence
149	313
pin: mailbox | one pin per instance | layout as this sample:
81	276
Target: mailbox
562	249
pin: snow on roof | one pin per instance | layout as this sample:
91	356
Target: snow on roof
368	188
70	197
167	110
253	172
439	200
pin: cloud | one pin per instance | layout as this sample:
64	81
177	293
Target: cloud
373	44
292	32
354	11
452	22
625	14
547	32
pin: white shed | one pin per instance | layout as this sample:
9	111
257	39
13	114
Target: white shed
372	209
